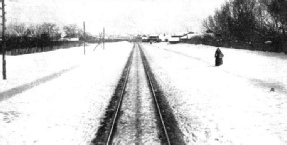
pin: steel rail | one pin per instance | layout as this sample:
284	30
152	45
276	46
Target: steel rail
154	95
109	139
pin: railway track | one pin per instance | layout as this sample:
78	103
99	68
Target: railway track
152	88
135	113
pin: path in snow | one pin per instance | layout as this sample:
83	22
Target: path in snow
19	89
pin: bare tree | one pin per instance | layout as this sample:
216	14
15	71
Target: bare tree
71	30
234	20
209	24
51	29
18	29
278	10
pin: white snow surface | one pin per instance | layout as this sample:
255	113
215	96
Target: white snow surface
229	104
58	97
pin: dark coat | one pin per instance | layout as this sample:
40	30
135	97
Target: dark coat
218	57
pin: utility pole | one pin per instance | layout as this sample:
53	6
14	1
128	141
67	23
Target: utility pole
104	38
3	41
84	38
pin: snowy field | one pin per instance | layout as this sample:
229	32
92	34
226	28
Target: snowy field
230	104
58	97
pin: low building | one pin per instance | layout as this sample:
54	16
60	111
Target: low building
153	38
175	38
66	38
144	38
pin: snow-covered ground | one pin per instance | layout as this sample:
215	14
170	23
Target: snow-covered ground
58	97
230	104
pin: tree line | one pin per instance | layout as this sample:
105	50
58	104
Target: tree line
22	38
51	30
261	24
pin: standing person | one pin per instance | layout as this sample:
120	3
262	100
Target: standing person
218	57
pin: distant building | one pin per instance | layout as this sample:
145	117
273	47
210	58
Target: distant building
187	36
66	38
153	38
144	38
74	39
175	38
163	38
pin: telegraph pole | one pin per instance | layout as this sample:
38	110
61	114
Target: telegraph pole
3	41
104	38
84	38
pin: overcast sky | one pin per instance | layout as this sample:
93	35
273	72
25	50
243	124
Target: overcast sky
117	16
